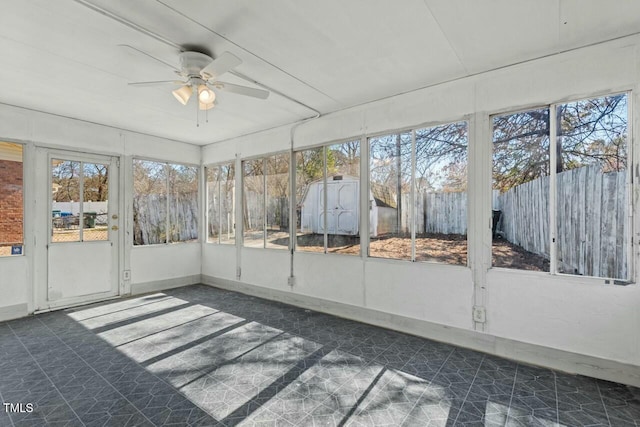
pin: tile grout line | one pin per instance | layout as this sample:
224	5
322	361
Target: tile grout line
8	414
46	375
94	370
513	389
603	404
430	381
469	391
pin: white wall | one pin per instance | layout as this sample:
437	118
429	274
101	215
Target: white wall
20	276
573	314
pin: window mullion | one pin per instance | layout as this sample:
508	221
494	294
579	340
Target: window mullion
324	197
412	205
264	202
81	203
166	232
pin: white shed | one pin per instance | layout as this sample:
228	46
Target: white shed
343	195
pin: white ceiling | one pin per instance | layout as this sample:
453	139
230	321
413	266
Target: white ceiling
63	57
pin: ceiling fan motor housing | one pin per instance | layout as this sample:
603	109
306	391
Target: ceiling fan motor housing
191	63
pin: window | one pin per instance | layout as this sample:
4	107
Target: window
221	203
521	190
309	186
592	193
441	194
277	201
11	199
266	202
253	201
390	198
165	202
580	180
328	201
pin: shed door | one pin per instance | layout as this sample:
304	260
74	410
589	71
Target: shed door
344	201
342	208
83	222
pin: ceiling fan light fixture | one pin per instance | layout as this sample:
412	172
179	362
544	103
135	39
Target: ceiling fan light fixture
204	106
183	94
206	95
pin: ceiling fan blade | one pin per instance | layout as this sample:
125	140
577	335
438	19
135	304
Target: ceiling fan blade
241	90
142	52
158	83
220	65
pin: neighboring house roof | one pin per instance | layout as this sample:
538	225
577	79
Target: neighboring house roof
383	196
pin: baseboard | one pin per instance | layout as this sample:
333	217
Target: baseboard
562	360
13	312
161	285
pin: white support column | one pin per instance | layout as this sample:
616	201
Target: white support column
553	179
480	218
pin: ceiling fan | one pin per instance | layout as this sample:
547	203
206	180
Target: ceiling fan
200	75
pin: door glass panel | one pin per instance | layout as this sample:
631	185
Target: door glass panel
95	202
65	205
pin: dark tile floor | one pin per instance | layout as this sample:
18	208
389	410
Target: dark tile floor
203	356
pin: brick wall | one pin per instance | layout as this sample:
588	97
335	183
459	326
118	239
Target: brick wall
11	205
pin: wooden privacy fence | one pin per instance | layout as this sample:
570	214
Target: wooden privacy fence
592	220
150	224
441	213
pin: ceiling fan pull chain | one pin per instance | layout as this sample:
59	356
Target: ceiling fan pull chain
197	115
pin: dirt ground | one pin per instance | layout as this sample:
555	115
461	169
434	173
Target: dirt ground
449	249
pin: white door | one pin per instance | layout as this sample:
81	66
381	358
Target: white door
82	216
